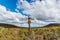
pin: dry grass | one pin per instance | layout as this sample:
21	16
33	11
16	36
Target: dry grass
22	33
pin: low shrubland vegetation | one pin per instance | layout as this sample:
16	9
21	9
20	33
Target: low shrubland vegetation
22	33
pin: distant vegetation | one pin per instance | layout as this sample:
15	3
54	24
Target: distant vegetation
16	33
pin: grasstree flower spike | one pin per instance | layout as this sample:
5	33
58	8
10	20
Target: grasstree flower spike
29	20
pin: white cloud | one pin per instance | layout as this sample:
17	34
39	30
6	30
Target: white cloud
2	9
10	17
46	10
14	18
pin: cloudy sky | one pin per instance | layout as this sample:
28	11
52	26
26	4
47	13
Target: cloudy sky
42	12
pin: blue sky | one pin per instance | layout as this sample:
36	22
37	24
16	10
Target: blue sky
9	4
41	11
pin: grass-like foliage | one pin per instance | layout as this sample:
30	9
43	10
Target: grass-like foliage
22	33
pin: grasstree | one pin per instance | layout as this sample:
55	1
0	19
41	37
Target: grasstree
52	35
30	32
29	29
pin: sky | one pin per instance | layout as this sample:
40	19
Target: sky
42	12
9	4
